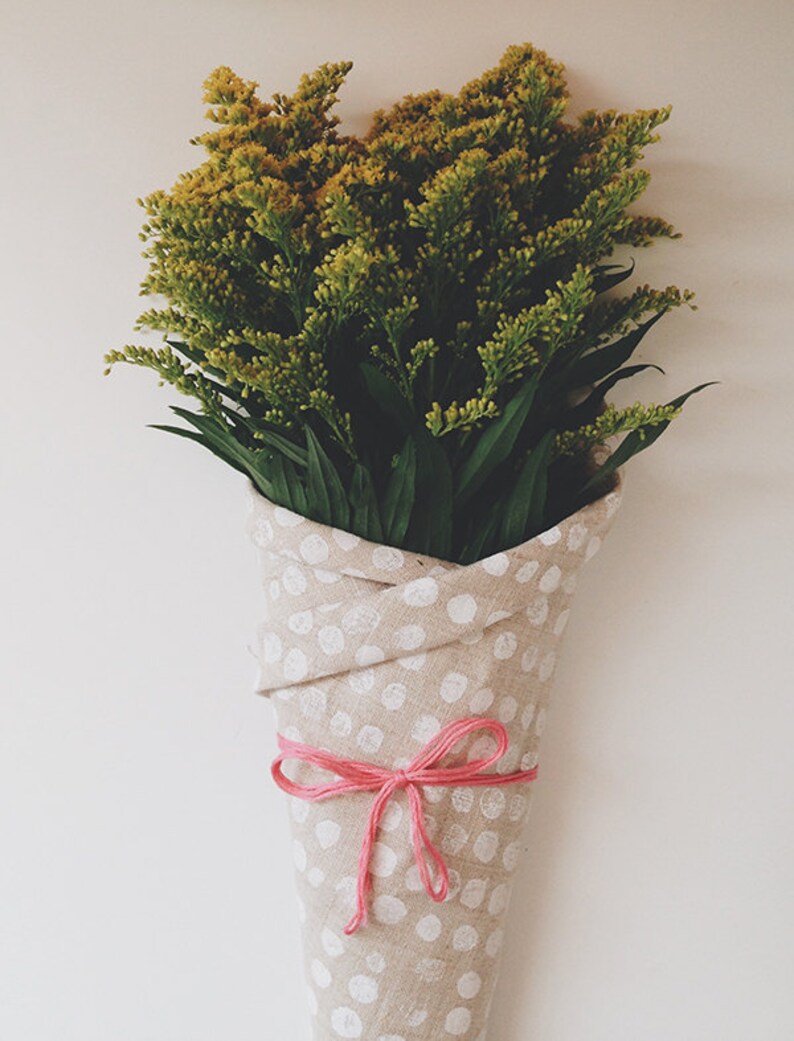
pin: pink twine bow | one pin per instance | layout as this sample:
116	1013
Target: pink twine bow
423	770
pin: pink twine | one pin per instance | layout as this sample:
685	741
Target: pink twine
423	770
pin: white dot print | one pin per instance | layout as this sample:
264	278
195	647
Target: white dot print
313	702
384	860
454	839
469	985
311	999
492	803
526	571
331	639
494	943
389	909
271	647
550	579
320	974
361	681
316	877
561	623
370	738
498	902
346	540
360	620
314	549
300	622
458	1022
593	546
341	724
387	558
538	611
422	592
508	707
393	696
293	580
424	728
364	989
505	646
473	893
327	832
453	687
429	928
465	938
481	701
550	537
332	944
496	565
485	846
286	518
296	665
410	637
369	654
462	609
346	1023
430	969
392	816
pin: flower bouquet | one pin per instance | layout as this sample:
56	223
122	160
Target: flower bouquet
406	341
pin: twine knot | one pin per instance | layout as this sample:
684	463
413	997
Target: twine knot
424	769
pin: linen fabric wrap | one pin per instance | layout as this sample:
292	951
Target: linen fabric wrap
368	651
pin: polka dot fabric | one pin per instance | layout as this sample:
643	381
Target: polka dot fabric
367	651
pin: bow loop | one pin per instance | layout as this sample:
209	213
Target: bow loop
424	769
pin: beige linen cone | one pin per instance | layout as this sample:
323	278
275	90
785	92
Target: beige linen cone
368	651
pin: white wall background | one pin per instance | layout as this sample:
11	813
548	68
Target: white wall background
145	886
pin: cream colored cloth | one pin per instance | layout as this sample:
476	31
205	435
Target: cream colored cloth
368	651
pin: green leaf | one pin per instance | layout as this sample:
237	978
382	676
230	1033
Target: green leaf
527	503
637	441
287	485
480	542
270	438
495	444
431	523
325	493
366	519
599	363
220	438
259	479
389	398
587	409
607	276
398	502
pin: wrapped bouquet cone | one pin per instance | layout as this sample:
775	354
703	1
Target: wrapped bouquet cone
405	335
410	696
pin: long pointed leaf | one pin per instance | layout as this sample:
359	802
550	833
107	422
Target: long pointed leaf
607	276
398	502
527	503
480	542
587	409
495	444
258	478
366	518
637	441
431	524
599	363
389	399
325	492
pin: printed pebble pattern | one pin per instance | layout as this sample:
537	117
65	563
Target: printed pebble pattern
368	651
